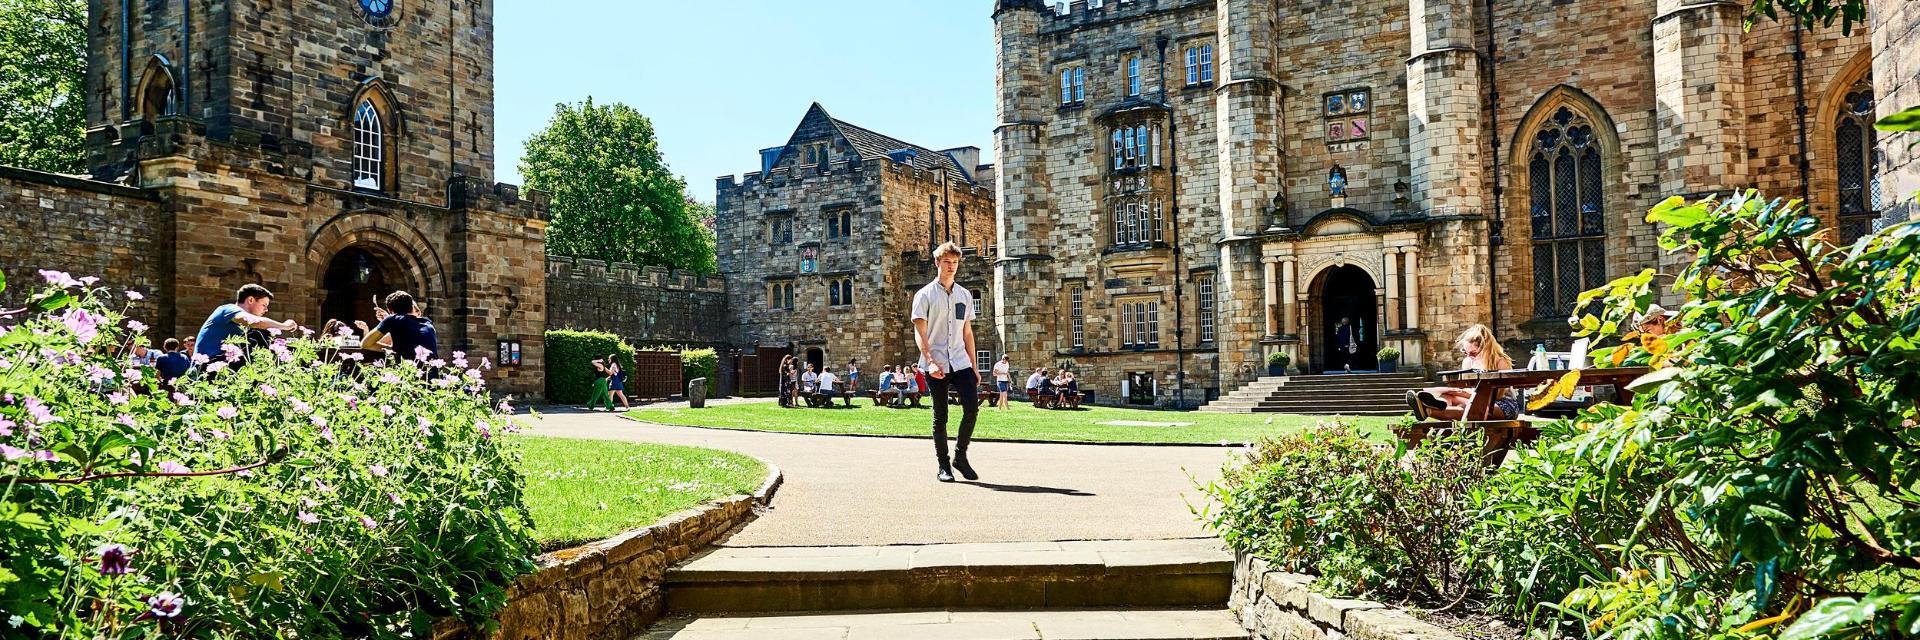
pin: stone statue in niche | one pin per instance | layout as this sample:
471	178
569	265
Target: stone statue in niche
1337	181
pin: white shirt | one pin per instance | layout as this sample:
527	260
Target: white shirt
826	381
809	378
1000	371
1033	381
947	314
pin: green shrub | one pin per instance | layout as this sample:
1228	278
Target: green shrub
1389	353
289	496
700	363
570	356
1368	521
1278	358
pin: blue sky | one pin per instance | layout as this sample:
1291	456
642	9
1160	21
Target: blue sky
723	79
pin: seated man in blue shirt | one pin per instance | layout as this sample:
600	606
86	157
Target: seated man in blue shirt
248	311
411	331
171	364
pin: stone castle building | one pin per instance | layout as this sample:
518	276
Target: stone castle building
333	151
1193	184
824	247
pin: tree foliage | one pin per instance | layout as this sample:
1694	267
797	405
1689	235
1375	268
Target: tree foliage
43	67
613	196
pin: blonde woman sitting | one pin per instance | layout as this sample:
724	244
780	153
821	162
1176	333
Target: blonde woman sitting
1481	352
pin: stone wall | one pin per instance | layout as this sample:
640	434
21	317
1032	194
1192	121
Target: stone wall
611	589
1276	605
119	234
1896	81
644	305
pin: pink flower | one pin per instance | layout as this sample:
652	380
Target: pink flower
436	362
6	427
485	432
308	517
378	471
420	354
40	413
115	559
117	398
59	278
132	374
232	352
308	502
136	326
227	413
97	373
301	405
387	410
326	433
199	359
216	367
135	295
485	363
12	453
126	419
170	466
45	456
182	399
194	436
84	325
221	434
395	497
368	523
269	391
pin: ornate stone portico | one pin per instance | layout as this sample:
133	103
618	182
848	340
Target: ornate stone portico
1303	269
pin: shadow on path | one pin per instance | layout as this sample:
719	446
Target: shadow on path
1024	488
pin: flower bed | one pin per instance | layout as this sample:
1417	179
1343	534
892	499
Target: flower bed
285	494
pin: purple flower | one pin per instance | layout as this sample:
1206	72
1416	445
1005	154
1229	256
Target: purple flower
387	410
368	523
115	559
194	436
89	280
133	374
378	471
41	414
136	326
326	433
227	413
504	407
232	352
126	419
420	354
44	455
165	605
395	497
182	399
389	378
199	359
84	325
59	278
97	373
301	405
485	363
221	434
170	466
12	453
216	367
308	517
6	427
117	398
269	391
355	356
436	362
135	295
486	433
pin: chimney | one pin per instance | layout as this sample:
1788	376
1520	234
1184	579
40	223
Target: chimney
768	156
967	157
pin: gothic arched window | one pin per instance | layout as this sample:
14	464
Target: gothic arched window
1857	157
1568	212
369	147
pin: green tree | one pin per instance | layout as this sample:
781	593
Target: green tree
613	197
43	68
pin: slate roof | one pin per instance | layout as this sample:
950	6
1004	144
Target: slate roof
873	145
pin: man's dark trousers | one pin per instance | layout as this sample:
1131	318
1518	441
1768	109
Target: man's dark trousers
966	383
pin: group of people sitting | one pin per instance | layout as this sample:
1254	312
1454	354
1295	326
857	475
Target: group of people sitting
804	382
1059	390
900	385
1479	351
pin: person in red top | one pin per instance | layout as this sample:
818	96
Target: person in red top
919	378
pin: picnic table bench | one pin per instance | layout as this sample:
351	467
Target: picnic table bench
1487	386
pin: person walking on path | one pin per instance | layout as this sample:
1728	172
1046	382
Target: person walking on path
1002	379
1346	343
601	380
943	315
616	384
248	311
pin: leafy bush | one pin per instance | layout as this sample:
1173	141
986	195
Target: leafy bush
700	363
284	494
1279	358
1367	520
1388	353
1763	482
570	356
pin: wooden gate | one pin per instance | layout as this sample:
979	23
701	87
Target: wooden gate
655	374
759	374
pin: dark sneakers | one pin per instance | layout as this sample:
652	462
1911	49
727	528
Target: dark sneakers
1413	402
966	470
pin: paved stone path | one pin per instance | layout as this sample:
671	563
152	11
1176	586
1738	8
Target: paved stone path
873	491
970	625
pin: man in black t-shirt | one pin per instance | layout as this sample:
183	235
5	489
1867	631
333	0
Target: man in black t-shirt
411	331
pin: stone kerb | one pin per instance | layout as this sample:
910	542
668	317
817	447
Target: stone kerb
1276	604
612	589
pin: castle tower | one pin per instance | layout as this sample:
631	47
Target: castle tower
1699	82
1023	280
1445	121
1250	174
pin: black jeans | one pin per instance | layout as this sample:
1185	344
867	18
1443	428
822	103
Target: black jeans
966	383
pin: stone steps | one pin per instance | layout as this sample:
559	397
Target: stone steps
1145	624
1022	575
1363	394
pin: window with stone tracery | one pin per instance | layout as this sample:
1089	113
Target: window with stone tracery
1567	211
369	152
1140	324
1857	158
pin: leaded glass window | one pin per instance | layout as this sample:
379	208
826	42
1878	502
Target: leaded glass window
1567	212
1079	317
369	157
1858	161
1206	307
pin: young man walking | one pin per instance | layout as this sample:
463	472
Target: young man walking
943	315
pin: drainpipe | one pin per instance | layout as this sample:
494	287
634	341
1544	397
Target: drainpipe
1800	107
126	61
186	58
1494	226
1173	218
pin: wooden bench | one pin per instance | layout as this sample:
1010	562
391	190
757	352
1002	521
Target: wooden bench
1500	435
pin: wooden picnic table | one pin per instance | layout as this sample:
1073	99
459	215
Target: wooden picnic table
1489	385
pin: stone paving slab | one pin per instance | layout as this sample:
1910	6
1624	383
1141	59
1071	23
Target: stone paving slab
1152	624
739	564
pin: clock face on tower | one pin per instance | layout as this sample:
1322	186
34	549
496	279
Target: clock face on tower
379	13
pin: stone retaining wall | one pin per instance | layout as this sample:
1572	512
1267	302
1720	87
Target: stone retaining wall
611	589
1276	605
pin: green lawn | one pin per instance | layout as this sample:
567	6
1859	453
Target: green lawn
584	490
1022	422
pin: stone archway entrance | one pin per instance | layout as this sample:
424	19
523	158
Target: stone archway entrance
1344	292
818	358
357	276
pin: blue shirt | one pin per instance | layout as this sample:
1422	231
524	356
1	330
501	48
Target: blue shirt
172	365
409	331
222	324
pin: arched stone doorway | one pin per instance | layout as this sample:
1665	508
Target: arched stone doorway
1344	292
356	277
818	358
